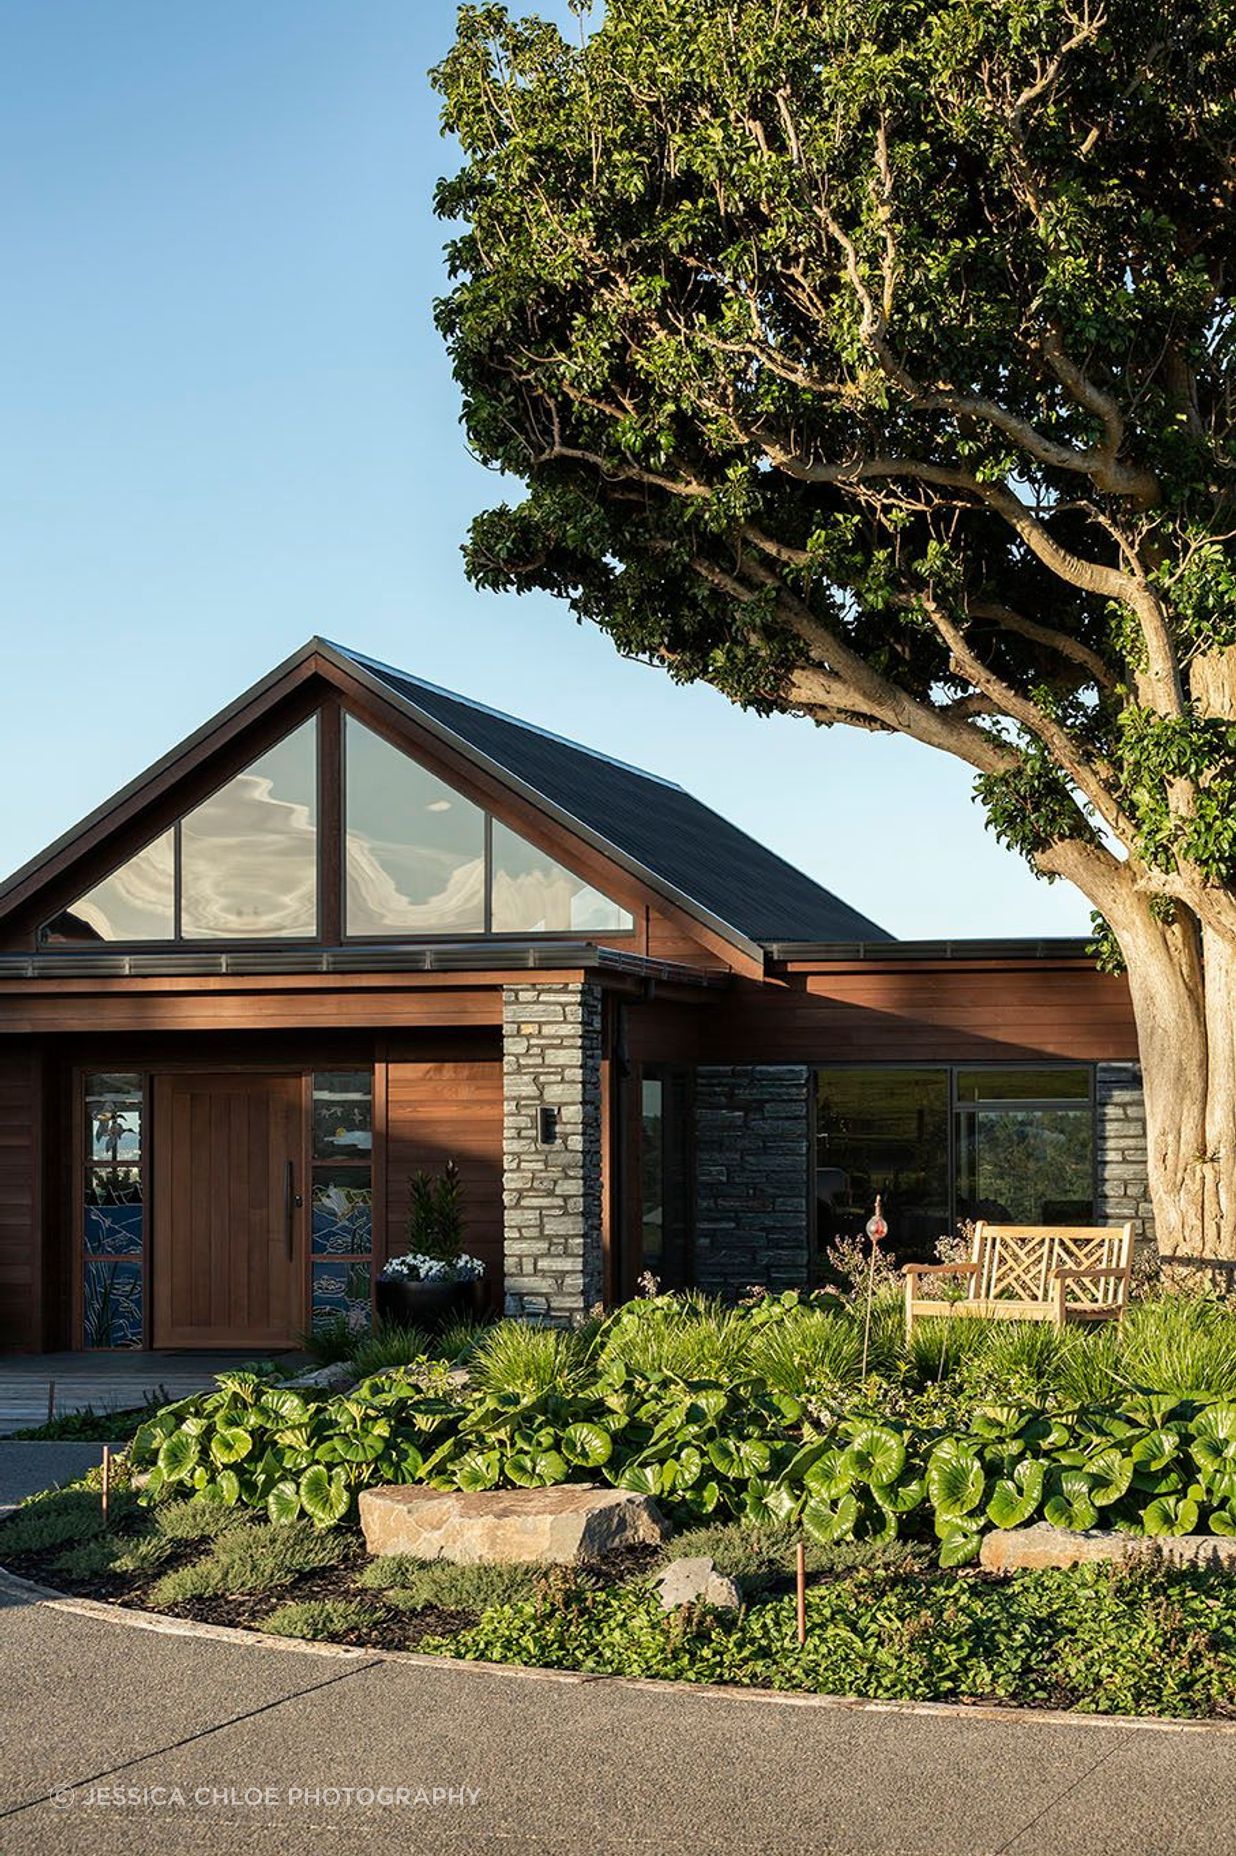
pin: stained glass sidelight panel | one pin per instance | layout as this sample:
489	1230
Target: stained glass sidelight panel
343	1286
113	1227
342	1211
115	1213
112	1303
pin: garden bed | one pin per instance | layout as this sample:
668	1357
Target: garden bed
885	1622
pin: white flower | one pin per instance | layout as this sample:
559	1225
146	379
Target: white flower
415	1266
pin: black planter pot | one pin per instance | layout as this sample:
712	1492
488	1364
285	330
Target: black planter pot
428	1305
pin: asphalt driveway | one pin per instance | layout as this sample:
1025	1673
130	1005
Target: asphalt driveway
122	1739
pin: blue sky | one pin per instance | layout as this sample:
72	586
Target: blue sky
228	424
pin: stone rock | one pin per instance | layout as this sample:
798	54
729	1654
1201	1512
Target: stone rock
696	1582
1023	1549
339	1376
564	1525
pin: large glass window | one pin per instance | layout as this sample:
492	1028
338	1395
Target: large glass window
886	1132
532	894
1025	1146
1013	1145
244	863
415	847
249	854
135	903
113	1235
418	859
341	1206
665	1181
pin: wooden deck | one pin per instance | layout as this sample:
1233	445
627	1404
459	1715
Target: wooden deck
106	1381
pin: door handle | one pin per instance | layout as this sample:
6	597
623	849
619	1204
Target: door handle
292	1201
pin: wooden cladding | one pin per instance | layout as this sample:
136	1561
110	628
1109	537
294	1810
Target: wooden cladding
942	1013
440	1111
21	1261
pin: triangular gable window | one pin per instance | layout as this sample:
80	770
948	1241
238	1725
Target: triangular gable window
241	866
419	860
423	860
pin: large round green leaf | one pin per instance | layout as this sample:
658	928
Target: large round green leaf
587	1444
1223	1521
955	1480
1069	1504
1155	1449
1110	1472
960	1545
831	1473
1015	1498
230	1443
876	1454
1213	1445
178	1456
324	1495
283	1503
643	1478
901	1496
478	1469
1171	1514
827	1521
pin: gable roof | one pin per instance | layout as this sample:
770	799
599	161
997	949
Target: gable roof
657	827
649	826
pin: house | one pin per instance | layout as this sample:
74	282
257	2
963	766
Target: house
357	926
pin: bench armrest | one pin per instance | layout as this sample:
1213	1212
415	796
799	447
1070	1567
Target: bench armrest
940	1269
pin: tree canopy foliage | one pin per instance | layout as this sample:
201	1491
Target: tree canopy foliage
874	360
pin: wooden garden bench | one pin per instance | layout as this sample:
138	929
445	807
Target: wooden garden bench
1028	1272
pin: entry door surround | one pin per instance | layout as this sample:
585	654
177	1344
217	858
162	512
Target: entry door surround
229	1223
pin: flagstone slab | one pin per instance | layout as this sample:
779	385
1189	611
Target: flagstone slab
563	1525
1024	1549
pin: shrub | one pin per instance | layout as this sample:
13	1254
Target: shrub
56	1517
389	1570
757	1555
197	1519
391	1344
329	1341
513	1357
691	1336
464	1588
322	1619
252	1559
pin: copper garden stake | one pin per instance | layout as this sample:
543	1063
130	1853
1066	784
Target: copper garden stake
107	1479
802	1592
876	1229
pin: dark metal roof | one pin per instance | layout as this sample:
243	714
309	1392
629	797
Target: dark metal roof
1058	947
654	825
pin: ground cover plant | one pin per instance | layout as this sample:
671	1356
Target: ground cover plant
883	1619
761	1412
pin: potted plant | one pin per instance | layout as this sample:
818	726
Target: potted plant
435	1280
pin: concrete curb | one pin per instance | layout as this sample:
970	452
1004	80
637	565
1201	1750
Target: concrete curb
11	1586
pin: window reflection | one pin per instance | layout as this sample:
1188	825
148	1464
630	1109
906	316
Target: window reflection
135	903
249	853
532	894
415	847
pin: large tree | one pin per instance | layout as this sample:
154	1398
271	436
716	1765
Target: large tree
873	361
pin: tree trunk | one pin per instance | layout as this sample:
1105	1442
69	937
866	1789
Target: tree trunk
1183	986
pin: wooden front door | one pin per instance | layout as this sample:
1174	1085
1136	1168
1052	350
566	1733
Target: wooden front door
228	1227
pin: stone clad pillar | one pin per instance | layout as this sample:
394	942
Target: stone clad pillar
753	1141
1121	1187
551	1068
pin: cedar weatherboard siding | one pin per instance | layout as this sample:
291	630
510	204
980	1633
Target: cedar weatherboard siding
21	1259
